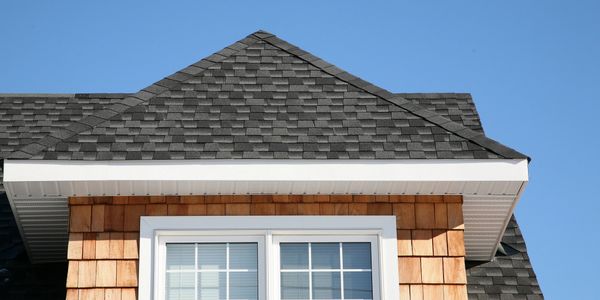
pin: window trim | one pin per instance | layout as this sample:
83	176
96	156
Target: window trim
153	229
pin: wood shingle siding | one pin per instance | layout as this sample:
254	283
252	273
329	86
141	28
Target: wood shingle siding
104	238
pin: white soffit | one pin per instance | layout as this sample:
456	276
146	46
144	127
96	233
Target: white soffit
491	187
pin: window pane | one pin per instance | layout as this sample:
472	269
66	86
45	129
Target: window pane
325	255
212	285
180	257
243	256
294	285
212	256
243	285
357	285
326	285
294	255
357	255
180	286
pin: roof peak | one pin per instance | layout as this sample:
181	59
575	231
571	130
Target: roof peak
262	34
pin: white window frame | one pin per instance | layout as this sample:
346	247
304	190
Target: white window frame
268	231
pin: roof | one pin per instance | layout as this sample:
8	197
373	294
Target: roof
458	107
263	98
509	275
26	118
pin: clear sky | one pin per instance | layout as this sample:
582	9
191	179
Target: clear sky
533	68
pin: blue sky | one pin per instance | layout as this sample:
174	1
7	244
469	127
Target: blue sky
533	68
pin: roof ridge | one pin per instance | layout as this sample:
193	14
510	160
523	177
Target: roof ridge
417	110
62	95
133	100
435	95
101	95
46	95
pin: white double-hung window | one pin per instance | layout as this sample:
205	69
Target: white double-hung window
282	257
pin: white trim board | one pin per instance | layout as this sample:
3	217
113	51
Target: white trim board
381	229
490	187
267	170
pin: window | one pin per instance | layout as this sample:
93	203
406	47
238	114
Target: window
268	258
327	267
223	267
211	271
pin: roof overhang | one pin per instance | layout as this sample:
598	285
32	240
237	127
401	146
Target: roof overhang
38	190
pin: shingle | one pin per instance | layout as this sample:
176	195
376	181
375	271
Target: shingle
501	276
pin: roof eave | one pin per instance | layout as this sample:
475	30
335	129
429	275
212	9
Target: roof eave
486	185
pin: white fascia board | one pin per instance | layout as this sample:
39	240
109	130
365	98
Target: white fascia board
451	170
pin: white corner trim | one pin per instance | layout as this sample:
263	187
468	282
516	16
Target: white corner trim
382	228
267	170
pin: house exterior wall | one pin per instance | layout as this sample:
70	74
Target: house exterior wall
104	236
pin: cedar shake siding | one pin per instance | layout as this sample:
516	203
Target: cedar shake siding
104	235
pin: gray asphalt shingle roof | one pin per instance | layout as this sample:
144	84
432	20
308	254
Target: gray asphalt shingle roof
509	275
458	107
264	98
26	118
